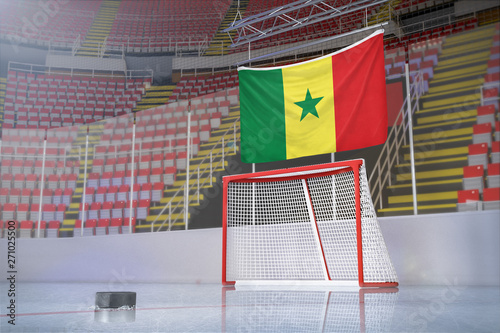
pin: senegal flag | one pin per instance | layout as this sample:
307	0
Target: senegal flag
333	103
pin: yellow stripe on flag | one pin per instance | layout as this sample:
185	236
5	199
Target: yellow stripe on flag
309	108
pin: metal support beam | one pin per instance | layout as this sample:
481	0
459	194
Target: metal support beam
315	42
292	16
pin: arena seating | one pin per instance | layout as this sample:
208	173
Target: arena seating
21	168
436	34
45	101
484	153
160	156
29	21
36	102
191	87
4	225
158	25
454	136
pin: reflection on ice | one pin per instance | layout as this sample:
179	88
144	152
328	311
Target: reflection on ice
114	315
276	310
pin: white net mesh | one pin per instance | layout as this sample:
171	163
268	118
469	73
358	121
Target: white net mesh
298	226
377	265
270	232
337	226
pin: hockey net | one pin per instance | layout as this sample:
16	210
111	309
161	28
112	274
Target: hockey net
304	225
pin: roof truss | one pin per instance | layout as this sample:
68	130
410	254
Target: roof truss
293	16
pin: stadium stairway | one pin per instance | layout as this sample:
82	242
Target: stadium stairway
3	87
100	29
384	12
95	132
201	161
73	210
221	39
489	16
443	128
155	96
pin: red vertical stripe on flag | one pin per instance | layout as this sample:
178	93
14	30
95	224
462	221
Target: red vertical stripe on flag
360	95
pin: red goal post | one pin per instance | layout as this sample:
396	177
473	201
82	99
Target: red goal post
307	225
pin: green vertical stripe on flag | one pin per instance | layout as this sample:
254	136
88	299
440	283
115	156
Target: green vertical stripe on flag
262	116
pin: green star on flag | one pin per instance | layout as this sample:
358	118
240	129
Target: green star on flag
309	105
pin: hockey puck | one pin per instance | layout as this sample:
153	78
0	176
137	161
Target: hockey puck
115	299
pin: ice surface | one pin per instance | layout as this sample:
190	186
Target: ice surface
47	307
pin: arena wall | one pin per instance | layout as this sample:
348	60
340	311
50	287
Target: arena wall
435	249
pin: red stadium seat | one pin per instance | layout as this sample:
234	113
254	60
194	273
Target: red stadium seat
473	178
468	200
478	154
491	198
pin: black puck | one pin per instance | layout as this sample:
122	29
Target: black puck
115	299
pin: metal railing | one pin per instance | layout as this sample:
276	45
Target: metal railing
432	23
43	177
386	13
198	184
147	151
102	48
398	136
175	44
72	153
77	72
76	45
163	17
416	5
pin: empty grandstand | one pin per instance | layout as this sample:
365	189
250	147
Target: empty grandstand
121	116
